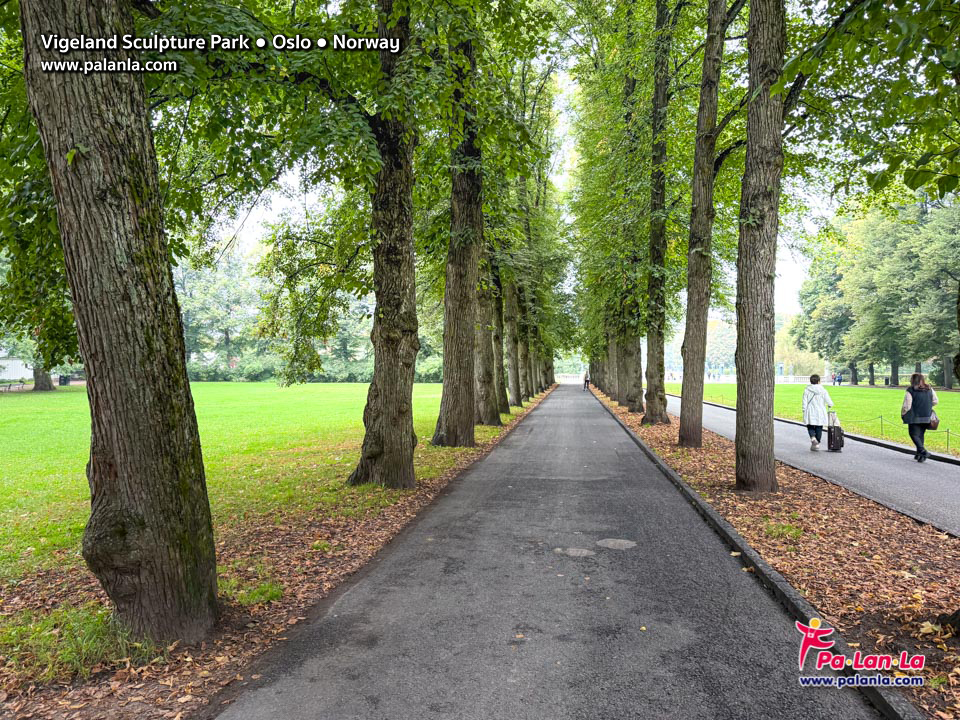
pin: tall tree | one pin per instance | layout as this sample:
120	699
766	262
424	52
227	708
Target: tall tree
655	410
457	402
756	259
487	412
500	373
387	454
149	539
511	333
702	213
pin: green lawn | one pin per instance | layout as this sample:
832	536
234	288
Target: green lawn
859	409
267	450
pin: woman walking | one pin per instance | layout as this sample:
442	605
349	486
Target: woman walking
917	411
816	400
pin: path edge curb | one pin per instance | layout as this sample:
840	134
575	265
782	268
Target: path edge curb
891	704
939	457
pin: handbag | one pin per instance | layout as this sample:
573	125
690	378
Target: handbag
934	421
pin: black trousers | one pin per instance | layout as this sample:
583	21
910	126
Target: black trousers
815	431
917	431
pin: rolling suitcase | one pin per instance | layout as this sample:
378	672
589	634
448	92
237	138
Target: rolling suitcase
834	434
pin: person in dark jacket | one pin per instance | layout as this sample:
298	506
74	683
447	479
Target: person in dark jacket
917	411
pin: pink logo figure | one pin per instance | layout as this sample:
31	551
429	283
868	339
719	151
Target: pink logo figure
813	637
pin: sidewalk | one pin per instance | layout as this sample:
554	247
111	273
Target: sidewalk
561	577
928	492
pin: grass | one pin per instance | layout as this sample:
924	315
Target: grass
69	642
269	453
267	450
859	409
783	531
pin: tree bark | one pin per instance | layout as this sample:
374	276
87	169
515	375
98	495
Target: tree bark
42	382
503	402
756	259
894	373
149	539
631	386
527	358
956	358
918	367
485	374
526	389
854	375
656	405
614	361
947	371
872	373
700	242
954	619
455	426
513	342
386	457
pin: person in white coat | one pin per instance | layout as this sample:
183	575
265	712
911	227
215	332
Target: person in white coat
816	400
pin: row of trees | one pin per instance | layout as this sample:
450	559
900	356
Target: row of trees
883	289
431	166
674	105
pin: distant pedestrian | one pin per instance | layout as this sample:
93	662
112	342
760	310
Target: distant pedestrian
816	400
917	412
586	379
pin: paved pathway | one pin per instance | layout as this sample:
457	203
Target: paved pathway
521	594
929	492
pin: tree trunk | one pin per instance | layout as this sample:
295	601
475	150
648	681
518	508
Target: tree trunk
503	402
149	539
918	368
614	391
872	374
388	443
954	619
485	374
656	406
526	389
854	375
700	242
527	329
894	373
455	422
513	342
631	388
947	371
42	382
756	259
956	358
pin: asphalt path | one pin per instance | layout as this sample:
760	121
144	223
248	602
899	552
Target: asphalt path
561	577
928	492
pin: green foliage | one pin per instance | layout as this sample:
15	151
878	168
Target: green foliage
611	199
311	269
884	90
295	462
884	288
